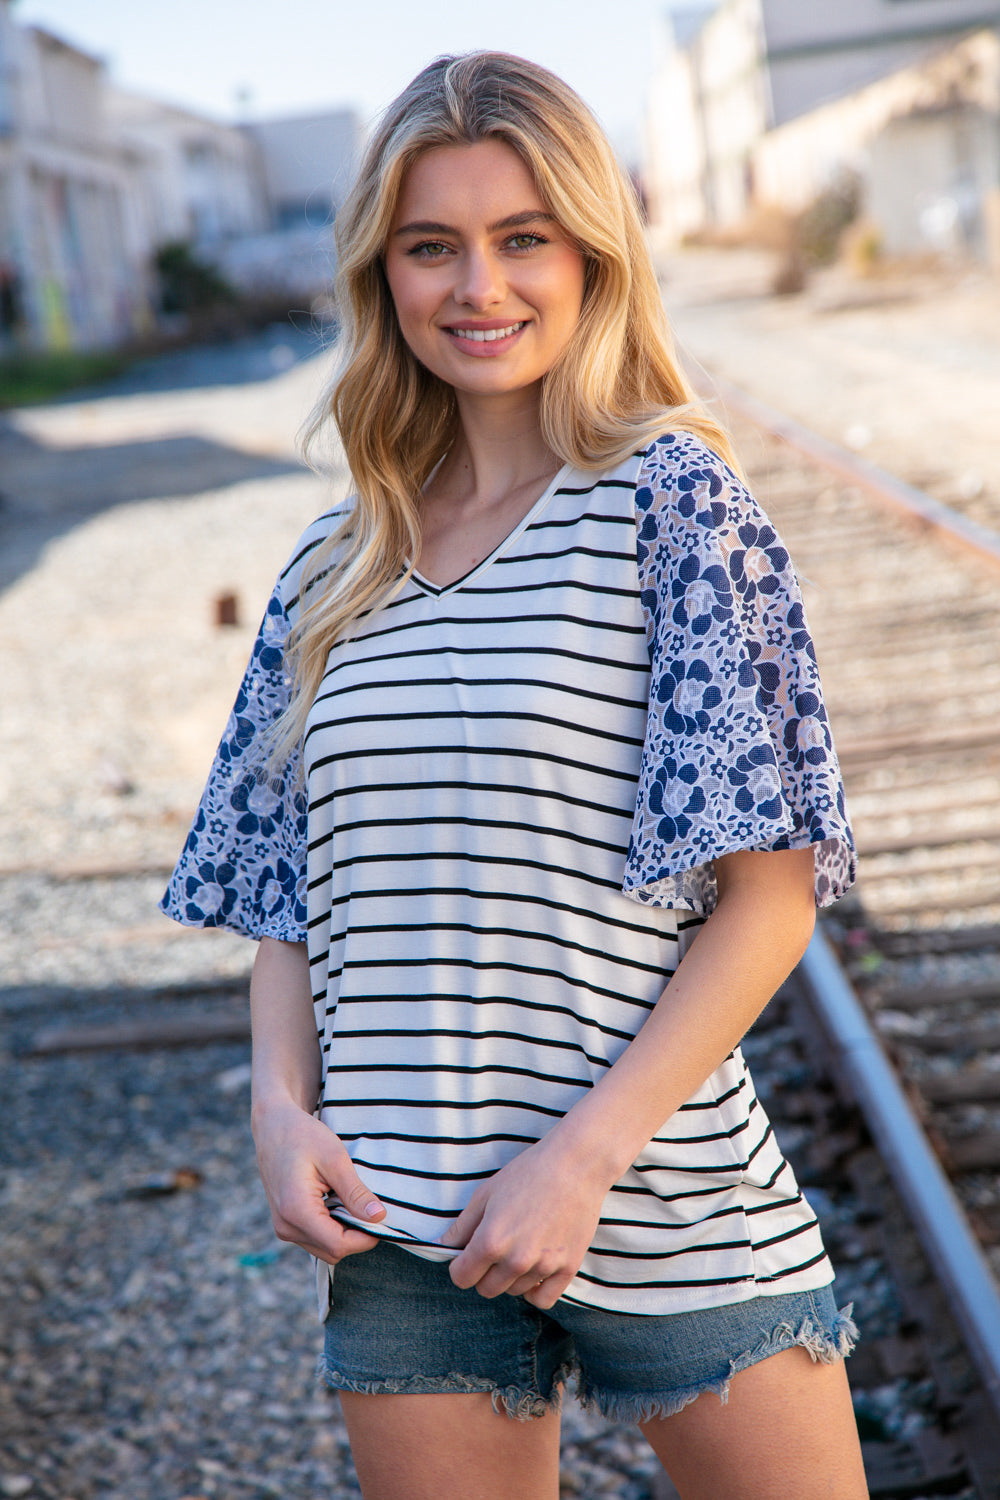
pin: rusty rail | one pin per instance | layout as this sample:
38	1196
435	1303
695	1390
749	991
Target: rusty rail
937	1215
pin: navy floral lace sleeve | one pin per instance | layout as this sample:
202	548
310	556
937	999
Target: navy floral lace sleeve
243	865
738	752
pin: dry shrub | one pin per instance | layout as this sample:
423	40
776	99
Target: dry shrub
821	226
861	247
790	277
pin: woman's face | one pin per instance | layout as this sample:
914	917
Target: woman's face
487	286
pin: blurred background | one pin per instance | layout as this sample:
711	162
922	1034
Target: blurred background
822	185
167	165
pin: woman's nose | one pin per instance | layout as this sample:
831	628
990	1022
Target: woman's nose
480	283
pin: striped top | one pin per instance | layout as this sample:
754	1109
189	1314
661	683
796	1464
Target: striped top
457	859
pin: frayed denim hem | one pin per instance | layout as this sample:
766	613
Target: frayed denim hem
511	1400
644	1406
825	1345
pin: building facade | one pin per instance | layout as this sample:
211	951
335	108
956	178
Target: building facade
818	53
768	101
306	162
194	178
923	142
95	179
67	275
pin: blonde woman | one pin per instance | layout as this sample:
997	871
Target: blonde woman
548	799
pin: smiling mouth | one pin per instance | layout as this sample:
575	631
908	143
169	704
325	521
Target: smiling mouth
487	335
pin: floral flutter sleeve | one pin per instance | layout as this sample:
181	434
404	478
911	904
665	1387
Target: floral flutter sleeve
244	863
738	752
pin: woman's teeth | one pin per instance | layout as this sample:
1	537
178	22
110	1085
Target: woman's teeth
485	335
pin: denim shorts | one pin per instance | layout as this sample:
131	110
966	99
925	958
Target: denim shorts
399	1325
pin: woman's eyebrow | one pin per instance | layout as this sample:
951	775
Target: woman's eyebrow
531	216
514	221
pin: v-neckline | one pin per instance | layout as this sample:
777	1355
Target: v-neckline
436	591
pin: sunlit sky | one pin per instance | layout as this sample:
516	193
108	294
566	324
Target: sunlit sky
260	58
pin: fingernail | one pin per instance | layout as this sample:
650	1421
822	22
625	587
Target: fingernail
372	1209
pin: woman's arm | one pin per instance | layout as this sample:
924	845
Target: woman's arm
526	1230
300	1159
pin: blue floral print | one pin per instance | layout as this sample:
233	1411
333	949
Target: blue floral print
738	752
243	865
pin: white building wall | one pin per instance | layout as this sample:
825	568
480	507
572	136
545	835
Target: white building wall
923	137
708	107
307	163
731	84
93	180
62	184
202	177
783	94
674	164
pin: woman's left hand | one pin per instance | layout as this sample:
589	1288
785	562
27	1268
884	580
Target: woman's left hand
526	1230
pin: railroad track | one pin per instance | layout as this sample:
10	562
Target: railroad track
927	1423
904	979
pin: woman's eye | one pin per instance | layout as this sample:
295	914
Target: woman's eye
429	249
527	241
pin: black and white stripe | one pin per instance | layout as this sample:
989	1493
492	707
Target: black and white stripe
472	759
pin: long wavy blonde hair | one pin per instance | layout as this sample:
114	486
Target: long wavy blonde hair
613	389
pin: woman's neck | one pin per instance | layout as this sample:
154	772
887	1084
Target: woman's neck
497	469
499	449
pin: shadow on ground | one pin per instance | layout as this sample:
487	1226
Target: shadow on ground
48	491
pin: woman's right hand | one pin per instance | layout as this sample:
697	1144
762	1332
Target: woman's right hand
301	1161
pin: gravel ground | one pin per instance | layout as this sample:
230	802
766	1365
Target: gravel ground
158	1341
159	1344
